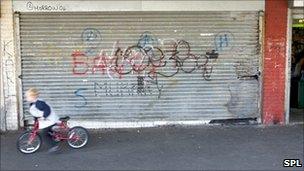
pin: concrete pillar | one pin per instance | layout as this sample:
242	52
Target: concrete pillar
9	114
275	59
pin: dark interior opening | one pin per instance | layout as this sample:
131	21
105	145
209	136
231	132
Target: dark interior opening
297	76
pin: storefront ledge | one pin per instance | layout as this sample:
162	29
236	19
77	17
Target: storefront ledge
97	124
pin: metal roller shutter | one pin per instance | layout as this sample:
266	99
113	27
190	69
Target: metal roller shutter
143	66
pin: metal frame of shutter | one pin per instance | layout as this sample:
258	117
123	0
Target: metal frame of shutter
170	76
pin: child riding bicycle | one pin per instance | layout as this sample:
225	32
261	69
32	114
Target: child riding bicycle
46	115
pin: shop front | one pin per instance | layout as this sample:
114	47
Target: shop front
148	66
297	66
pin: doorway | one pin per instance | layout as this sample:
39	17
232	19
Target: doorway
297	72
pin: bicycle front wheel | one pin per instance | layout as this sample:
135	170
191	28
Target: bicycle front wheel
28	142
78	137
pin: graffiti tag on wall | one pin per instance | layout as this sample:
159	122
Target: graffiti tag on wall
148	60
139	60
45	7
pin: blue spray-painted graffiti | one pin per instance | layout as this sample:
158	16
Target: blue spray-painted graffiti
223	40
84	100
91	38
147	40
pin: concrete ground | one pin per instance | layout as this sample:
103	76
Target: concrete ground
296	115
242	147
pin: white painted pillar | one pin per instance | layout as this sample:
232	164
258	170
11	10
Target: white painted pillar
9	105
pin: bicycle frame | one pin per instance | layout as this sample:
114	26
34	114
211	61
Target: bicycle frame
57	135
34	131
62	133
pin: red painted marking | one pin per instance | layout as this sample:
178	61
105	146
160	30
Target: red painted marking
100	63
79	61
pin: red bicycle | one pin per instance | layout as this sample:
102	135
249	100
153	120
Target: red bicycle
30	141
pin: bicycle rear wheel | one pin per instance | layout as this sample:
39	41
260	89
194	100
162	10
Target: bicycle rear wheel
78	137
28	143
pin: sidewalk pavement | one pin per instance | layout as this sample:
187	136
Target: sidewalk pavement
242	147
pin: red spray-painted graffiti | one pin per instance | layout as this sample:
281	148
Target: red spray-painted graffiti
142	60
147	60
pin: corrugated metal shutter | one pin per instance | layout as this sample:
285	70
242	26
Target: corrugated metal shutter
143	66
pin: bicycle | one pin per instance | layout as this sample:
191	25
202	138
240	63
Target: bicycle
30	141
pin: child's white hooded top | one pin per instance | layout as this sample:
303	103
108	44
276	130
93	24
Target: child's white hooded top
42	109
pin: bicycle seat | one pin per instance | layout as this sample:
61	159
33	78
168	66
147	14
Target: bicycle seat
64	118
